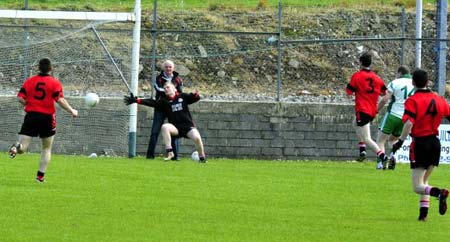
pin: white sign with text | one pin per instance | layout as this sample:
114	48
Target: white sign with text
402	155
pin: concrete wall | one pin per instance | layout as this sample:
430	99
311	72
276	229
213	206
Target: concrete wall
230	129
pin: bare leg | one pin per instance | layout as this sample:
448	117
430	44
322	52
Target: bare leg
363	133
46	153
19	147
24	142
195	136
419	177
381	140
392	140
361	143
167	130
425	183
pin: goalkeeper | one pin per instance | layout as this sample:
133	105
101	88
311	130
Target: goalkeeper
175	106
167	75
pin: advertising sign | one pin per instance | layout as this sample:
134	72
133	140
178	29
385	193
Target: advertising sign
402	155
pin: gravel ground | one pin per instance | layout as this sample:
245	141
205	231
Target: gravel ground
337	99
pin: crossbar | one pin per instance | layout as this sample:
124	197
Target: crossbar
69	15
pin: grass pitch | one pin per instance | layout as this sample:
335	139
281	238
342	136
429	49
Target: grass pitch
121	199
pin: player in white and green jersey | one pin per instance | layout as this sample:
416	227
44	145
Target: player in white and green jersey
391	125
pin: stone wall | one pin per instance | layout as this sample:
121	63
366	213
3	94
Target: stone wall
262	130
267	130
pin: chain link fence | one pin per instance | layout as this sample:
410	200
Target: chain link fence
230	54
234	54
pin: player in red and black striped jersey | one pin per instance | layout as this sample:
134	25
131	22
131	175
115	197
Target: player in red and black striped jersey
367	87
38	96
423	114
175	106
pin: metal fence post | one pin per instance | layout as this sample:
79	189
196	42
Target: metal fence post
154	36
279	49
418	49
402	53
441	35
26	37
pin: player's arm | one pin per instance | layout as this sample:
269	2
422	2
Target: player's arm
407	126
448	119
144	101
22	101
384	100
383	88
408	120
350	89
22	95
148	102
192	97
62	102
351	85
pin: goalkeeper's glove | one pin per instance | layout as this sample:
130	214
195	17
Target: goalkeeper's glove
130	99
397	145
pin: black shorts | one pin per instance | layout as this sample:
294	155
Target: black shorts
38	124
183	130
424	151
363	119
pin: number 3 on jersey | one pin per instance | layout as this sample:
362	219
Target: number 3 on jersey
371	87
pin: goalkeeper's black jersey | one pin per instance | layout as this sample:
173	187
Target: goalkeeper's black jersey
176	108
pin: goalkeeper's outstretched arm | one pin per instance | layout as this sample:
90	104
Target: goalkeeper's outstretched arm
148	102
144	101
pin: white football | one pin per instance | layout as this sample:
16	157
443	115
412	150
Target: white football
194	156
91	99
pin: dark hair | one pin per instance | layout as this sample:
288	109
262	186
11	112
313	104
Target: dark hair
403	70
45	65
365	59
420	78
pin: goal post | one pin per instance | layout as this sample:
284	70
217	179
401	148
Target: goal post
134	79
67	15
60	44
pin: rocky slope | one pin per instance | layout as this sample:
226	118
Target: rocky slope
228	54
313	67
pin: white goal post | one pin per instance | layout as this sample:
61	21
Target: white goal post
100	16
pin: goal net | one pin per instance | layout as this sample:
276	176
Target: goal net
87	56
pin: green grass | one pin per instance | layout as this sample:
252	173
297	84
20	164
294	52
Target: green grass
120	199
126	5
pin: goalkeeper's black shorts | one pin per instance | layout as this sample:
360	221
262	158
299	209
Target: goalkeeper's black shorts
184	130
